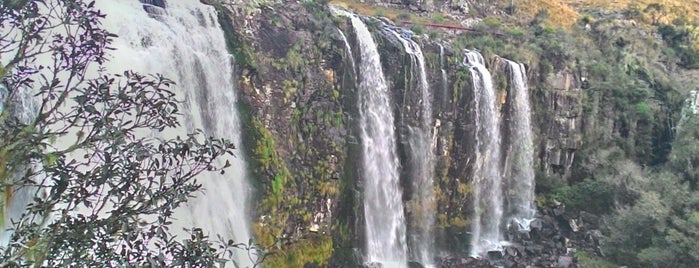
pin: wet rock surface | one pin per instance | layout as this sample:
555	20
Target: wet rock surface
552	241
456	262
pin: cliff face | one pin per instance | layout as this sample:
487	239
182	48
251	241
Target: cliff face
297	86
561	125
293	87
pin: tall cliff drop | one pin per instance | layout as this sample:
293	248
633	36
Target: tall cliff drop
420	154
184	42
487	175
520	153
383	205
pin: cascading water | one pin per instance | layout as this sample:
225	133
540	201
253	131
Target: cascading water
185	43
521	153
348	51
383	206
3	94
421	161
445	82
487	178
689	109
14	199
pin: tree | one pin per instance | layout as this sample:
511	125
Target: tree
660	228
95	191
683	158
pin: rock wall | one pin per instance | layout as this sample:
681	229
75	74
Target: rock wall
297	89
560	124
290	72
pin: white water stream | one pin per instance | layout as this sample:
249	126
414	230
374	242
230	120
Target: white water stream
185	43
383	205
421	158
487	177
520	159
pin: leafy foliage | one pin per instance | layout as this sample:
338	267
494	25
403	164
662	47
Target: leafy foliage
594	196
660	228
98	192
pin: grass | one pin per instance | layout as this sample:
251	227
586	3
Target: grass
561	13
675	7
565	13
370	10
395	14
587	260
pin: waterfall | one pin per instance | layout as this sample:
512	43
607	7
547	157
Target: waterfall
185	43
521	153
689	109
14	199
421	160
3	94
487	178
445	82
348	51
383	205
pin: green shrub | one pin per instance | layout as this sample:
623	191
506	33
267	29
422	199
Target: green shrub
689	58
642	108
587	260
417	29
546	184
403	16
655	257
515	31
492	22
314	249
433	34
586	19
592	196
681	40
438	18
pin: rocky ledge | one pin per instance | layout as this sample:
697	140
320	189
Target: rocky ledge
553	241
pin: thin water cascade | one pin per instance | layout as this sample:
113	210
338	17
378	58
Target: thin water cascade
185	43
348	49
445	82
689	109
421	158
521	153
487	178
3	95
383	207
